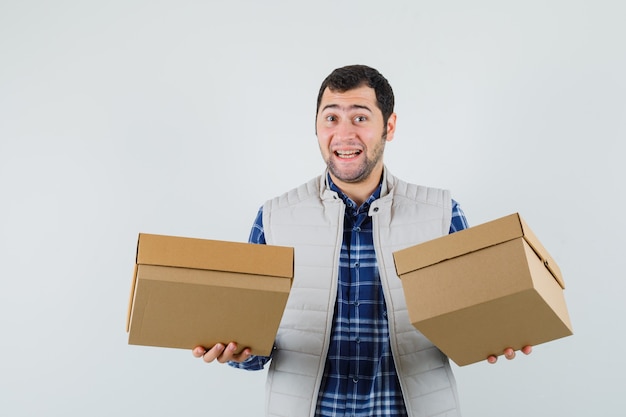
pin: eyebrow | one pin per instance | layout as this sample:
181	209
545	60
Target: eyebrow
351	107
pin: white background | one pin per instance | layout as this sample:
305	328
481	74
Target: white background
183	117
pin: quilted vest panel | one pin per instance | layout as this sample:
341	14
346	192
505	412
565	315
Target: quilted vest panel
310	218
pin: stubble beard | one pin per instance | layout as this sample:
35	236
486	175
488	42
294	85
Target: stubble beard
362	171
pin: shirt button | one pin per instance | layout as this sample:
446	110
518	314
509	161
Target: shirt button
375	209
357	340
356	264
355	379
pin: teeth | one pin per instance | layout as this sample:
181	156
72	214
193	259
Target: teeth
347	154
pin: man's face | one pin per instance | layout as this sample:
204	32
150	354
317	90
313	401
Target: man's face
350	131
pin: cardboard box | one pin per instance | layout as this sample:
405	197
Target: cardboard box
478	291
188	292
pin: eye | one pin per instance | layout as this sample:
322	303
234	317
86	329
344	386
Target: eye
330	118
360	119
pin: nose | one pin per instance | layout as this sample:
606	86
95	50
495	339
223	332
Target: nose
345	129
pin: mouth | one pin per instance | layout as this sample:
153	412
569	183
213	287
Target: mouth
347	154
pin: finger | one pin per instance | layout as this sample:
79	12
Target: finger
198	351
240	357
228	354
509	353
492	359
214	353
527	350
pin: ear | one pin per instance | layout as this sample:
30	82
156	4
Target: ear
391	127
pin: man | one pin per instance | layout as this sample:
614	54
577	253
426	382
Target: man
345	344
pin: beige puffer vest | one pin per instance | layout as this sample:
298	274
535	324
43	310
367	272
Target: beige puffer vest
310	218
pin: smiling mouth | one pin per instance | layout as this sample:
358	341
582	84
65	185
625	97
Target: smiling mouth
348	154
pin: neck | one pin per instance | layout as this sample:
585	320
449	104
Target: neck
360	191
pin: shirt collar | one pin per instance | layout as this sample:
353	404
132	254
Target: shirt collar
349	202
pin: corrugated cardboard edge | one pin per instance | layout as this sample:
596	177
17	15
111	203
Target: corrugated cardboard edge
133	287
454	245
131	300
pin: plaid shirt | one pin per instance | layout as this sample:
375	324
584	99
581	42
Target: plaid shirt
360	376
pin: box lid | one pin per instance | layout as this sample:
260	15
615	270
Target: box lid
473	239
215	255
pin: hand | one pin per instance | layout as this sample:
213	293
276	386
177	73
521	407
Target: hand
221	353
509	353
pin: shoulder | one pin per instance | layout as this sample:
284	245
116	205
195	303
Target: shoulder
404	191
305	192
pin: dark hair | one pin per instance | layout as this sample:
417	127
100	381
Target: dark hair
354	76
